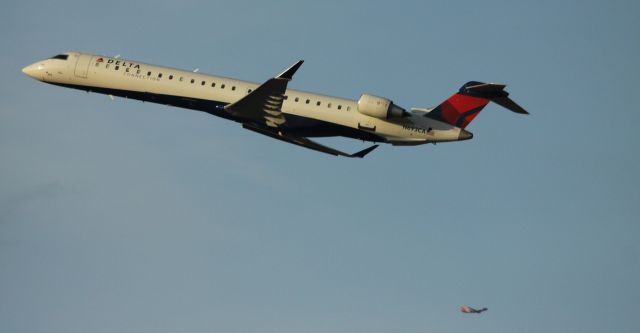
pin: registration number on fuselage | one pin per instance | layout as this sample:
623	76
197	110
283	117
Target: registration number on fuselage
414	129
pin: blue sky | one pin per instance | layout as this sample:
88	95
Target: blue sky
119	216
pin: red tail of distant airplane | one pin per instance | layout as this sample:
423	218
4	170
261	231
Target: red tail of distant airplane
468	309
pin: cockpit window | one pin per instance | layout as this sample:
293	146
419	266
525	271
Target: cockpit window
61	57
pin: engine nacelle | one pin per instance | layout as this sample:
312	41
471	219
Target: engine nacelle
379	107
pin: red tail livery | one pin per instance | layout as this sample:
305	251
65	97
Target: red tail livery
462	107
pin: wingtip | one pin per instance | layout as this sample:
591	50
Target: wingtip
364	152
288	73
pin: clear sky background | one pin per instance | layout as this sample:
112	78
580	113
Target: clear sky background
122	216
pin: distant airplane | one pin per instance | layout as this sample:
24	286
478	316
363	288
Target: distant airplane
468	309
273	110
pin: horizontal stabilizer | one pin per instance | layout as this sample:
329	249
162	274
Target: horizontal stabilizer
493	92
509	104
487	87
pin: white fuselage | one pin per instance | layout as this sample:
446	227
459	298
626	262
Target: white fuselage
135	79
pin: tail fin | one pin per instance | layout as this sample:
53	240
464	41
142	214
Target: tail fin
462	107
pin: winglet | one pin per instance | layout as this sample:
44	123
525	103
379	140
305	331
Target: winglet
364	152
288	73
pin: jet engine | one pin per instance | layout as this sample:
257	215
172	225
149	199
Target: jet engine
379	107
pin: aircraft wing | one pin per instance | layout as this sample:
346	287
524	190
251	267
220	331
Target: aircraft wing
304	142
264	104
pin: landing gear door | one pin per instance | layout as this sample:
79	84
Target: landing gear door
82	66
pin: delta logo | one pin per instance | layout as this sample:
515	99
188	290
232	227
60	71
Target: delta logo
118	62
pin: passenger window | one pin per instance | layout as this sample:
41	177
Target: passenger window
159	75
137	71
307	101
213	84
249	91
297	99
193	80
329	105
171	77
202	83
318	103
233	88
222	86
116	68
339	107
148	73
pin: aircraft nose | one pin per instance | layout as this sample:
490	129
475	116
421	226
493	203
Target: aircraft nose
32	70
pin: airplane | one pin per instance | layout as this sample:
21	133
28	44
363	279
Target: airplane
468	309
271	108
